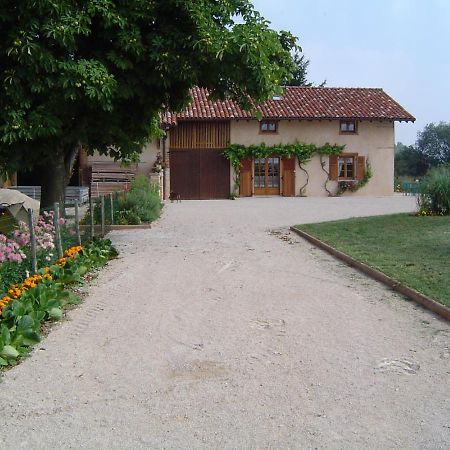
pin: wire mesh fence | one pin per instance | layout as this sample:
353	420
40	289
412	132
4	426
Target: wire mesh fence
30	240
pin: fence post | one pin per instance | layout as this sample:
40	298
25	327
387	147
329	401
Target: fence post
77	222
91	218
57	230
111	202
102	200
32	241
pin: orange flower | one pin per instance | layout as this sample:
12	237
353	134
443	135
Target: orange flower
4	302
73	251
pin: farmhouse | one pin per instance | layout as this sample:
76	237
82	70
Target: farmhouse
361	120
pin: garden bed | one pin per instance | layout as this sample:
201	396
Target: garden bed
414	251
41	266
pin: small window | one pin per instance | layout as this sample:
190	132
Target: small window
268	126
346	167
347	126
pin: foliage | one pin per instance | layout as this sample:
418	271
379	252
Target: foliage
410	161
300	74
412	250
97	73
11	272
140	204
143	200
235	153
431	149
434	196
15	252
354	186
10	250
43	296
434	142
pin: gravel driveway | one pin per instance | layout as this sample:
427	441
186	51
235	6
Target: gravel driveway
218	329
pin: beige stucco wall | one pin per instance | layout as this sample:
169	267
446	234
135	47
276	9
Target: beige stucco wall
147	158
374	140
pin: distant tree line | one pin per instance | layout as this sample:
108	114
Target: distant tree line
431	149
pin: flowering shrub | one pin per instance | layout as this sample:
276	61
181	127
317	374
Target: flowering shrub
11	250
350	185
354	185
14	250
44	231
42	297
16	290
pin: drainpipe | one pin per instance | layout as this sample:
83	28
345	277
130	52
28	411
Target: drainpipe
164	163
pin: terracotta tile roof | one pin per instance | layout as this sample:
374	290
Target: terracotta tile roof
300	103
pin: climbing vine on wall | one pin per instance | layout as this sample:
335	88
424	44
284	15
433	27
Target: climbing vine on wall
235	153
354	186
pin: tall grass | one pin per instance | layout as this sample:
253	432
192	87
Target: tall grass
434	194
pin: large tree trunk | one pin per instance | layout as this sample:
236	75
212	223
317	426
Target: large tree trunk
53	182
55	176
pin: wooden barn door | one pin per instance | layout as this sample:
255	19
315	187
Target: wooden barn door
214	175
288	177
184	173
246	180
198	169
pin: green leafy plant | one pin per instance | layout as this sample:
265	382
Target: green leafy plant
434	192
11	272
140	204
235	153
353	186
21	319
142	199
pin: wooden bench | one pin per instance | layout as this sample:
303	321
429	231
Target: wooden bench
110	177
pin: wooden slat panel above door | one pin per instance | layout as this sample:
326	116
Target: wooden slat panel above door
205	134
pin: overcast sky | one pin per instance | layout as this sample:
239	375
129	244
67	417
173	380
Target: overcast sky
402	46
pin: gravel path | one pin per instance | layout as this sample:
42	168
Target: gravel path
218	329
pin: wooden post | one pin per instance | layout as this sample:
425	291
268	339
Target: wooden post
58	244
91	218
34	267
77	222
102	200
111	202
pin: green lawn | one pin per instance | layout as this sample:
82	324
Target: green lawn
412	250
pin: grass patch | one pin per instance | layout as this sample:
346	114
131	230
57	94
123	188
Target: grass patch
413	250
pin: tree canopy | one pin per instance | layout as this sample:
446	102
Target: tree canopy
431	149
434	142
97	73
409	161
300	74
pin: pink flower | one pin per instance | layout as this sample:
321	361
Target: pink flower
61	221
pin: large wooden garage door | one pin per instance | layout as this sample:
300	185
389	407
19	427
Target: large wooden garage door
198	170
199	174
